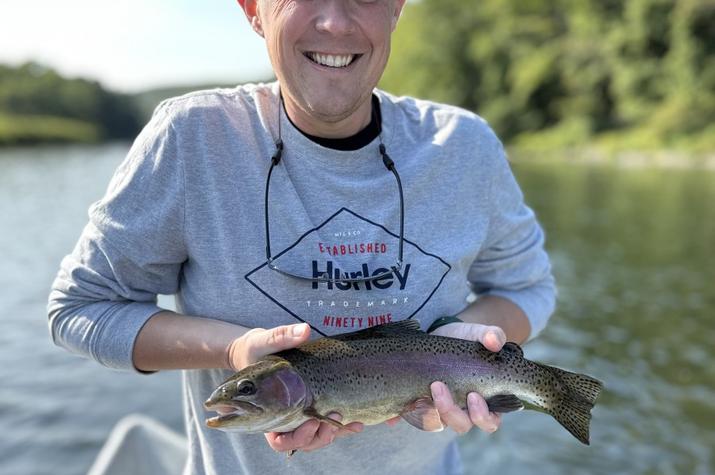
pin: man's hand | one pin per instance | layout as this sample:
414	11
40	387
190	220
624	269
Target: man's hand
257	343
311	435
477	413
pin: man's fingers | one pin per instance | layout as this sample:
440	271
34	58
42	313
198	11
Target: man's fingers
277	339
286	336
450	414
350	429
479	413
393	421
492	337
302	436
324	436
259	342
311	435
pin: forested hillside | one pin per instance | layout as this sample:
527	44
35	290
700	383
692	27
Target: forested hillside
38	105
635	73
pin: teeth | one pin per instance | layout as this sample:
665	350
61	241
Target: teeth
334	61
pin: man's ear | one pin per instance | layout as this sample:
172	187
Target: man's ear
250	8
398	4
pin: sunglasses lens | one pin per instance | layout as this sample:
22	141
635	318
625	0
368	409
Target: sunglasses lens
378	275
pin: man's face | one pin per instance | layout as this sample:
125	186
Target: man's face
328	55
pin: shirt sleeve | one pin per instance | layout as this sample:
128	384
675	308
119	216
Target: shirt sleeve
131	250
513	263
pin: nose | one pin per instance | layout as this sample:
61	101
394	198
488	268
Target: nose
335	17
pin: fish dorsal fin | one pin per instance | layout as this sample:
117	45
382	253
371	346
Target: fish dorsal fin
401	328
511	347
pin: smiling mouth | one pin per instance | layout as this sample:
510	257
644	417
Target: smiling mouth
336	61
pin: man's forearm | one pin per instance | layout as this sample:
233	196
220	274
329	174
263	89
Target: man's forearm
169	340
172	341
498	311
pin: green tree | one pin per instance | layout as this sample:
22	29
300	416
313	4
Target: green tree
573	69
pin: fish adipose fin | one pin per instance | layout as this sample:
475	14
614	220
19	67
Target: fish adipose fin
422	414
572	408
504	403
401	328
311	412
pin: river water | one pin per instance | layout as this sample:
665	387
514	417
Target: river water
633	252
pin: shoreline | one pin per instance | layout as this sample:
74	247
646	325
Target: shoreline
588	155
629	159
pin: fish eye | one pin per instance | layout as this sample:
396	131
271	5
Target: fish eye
246	388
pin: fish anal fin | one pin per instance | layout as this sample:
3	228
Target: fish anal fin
423	414
574	415
311	412
400	328
504	403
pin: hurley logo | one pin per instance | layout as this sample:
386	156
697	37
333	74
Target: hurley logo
381	283
330	307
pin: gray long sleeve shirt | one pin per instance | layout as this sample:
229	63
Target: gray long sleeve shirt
184	215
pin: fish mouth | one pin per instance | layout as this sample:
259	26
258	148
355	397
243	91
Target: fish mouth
229	412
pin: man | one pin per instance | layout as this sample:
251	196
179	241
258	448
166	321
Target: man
184	214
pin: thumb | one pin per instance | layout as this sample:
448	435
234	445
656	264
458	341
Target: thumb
284	337
257	343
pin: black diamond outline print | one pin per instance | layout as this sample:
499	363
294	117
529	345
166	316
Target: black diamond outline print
407	241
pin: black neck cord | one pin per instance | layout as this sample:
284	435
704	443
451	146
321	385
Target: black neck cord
386	160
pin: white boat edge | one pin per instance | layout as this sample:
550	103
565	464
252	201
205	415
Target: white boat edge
141	445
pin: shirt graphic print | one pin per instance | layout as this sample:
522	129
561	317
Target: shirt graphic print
349	245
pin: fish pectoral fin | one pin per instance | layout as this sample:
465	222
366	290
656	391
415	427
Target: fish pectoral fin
422	414
311	412
504	403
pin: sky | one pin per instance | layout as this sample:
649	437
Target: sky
133	45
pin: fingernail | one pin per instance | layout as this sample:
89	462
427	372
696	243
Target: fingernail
299	330
502	338
491	426
472	398
437	389
497	337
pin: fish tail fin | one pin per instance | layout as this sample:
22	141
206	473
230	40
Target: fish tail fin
572	403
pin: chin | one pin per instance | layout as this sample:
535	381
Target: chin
331	110
331	115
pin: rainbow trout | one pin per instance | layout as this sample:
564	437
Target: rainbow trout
385	371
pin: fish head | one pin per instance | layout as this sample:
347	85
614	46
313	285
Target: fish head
260	398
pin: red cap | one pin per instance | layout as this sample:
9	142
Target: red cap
241	2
